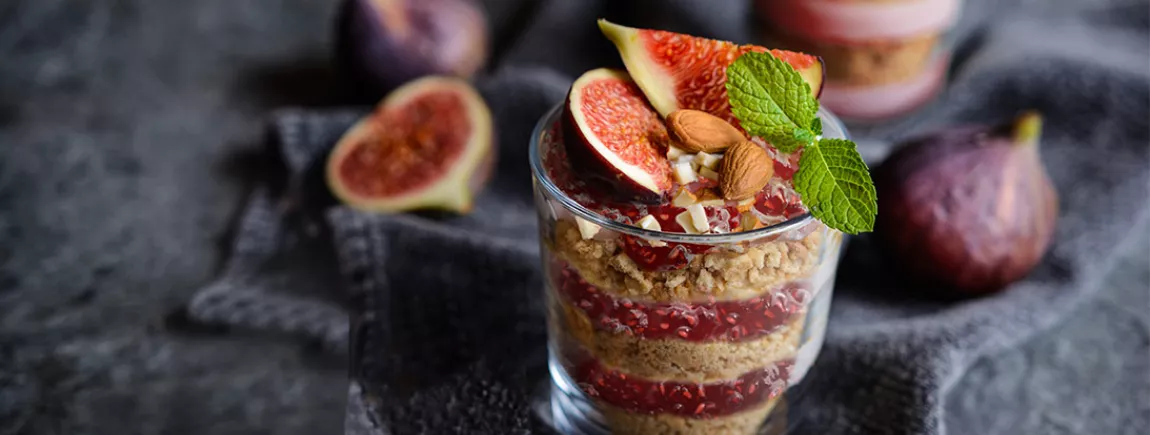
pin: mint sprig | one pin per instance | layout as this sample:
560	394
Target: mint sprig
772	101
836	187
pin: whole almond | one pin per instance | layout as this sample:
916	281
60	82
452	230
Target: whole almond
746	168
698	131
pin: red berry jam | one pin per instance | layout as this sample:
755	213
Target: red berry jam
711	321
785	167
673	256
779	204
687	399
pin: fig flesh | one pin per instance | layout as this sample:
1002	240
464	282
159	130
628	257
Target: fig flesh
971	208
678	71
428	145
615	140
383	44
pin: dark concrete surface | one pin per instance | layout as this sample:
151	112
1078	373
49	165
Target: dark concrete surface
124	127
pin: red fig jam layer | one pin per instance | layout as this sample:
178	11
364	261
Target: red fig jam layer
734	321
685	399
671	256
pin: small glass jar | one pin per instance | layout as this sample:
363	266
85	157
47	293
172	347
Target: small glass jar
672	333
883	58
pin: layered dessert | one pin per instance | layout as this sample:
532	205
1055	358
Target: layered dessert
686	279
884	56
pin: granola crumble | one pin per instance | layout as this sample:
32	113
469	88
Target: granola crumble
722	274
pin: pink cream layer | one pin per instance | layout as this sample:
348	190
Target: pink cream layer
847	21
882	101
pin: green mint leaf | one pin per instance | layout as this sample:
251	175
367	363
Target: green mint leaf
806	137
817	126
836	186
770	99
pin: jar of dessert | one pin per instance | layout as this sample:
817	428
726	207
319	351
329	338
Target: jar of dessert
689	314
883	58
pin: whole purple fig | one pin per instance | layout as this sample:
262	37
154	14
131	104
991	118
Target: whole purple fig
971	208
385	43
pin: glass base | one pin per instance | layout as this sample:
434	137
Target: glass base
568	411
571	411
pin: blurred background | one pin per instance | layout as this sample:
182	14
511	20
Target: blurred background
131	132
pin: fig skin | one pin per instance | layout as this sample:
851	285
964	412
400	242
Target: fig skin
970	208
382	44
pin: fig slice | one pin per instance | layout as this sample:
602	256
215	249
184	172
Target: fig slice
615	140
678	71
428	145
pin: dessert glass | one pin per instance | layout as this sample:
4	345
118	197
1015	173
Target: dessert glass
708	337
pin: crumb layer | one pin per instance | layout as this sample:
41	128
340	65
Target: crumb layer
721	274
680	360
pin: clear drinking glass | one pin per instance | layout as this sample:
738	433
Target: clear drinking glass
709	343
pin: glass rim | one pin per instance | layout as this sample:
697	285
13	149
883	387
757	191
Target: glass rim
831	123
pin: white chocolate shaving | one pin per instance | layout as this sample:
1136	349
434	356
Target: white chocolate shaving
707	160
699	218
684	173
685	221
708	173
648	222
586	229
683	199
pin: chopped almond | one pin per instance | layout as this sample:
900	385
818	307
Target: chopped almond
684	198
746	205
708	198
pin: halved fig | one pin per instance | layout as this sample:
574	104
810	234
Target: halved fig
678	71
428	145
614	138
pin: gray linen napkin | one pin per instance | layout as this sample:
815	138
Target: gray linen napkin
448	330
